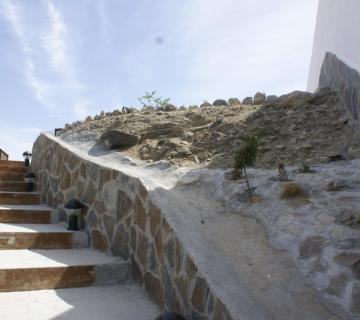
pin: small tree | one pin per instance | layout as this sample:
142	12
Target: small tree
149	99
245	157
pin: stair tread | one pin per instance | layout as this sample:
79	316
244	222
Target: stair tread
24	207
24	259
35	228
19	192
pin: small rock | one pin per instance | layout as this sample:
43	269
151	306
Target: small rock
115	139
234	102
248	101
336	185
259	98
296	99
312	246
205	104
170	107
271	98
125	110
220	102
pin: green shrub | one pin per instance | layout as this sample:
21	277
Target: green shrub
149	99
245	157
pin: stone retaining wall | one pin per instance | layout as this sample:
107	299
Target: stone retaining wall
122	219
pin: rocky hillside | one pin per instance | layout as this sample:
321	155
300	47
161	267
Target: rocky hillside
291	129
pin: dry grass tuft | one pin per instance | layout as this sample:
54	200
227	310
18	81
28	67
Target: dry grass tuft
292	190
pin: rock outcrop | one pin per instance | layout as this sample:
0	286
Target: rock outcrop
338	75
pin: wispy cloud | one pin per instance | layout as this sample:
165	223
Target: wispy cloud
13	15
55	76
55	42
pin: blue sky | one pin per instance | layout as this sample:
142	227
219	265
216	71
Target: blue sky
61	60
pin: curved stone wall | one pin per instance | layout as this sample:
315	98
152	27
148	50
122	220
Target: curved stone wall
122	219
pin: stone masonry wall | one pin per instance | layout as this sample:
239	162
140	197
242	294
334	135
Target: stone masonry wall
121	219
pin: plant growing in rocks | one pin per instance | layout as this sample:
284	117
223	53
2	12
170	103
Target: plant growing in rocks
305	167
149	99
245	157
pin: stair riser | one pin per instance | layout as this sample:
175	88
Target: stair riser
46	278
43	240
62	277
11	176
18	199
12	163
13	169
13	186
24	216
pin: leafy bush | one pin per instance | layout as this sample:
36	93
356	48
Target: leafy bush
245	157
149	99
292	190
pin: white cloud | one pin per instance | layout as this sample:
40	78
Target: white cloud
13	15
48	68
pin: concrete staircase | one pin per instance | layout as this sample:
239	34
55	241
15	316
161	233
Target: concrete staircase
36	251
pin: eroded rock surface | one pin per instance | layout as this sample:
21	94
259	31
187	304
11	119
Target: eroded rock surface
338	75
291	129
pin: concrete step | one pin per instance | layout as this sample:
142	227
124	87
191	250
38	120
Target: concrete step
13	186
40	236
12	176
25	214
125	301
19	197
11	168
49	269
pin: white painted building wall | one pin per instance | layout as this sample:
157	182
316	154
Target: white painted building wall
337	31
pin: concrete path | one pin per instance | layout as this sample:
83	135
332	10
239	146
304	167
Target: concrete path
120	302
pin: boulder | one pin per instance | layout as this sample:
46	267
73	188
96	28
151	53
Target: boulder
259	98
170	107
116	139
234	102
336	74
220	102
296	99
205	104
125	110
248	101
271	98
